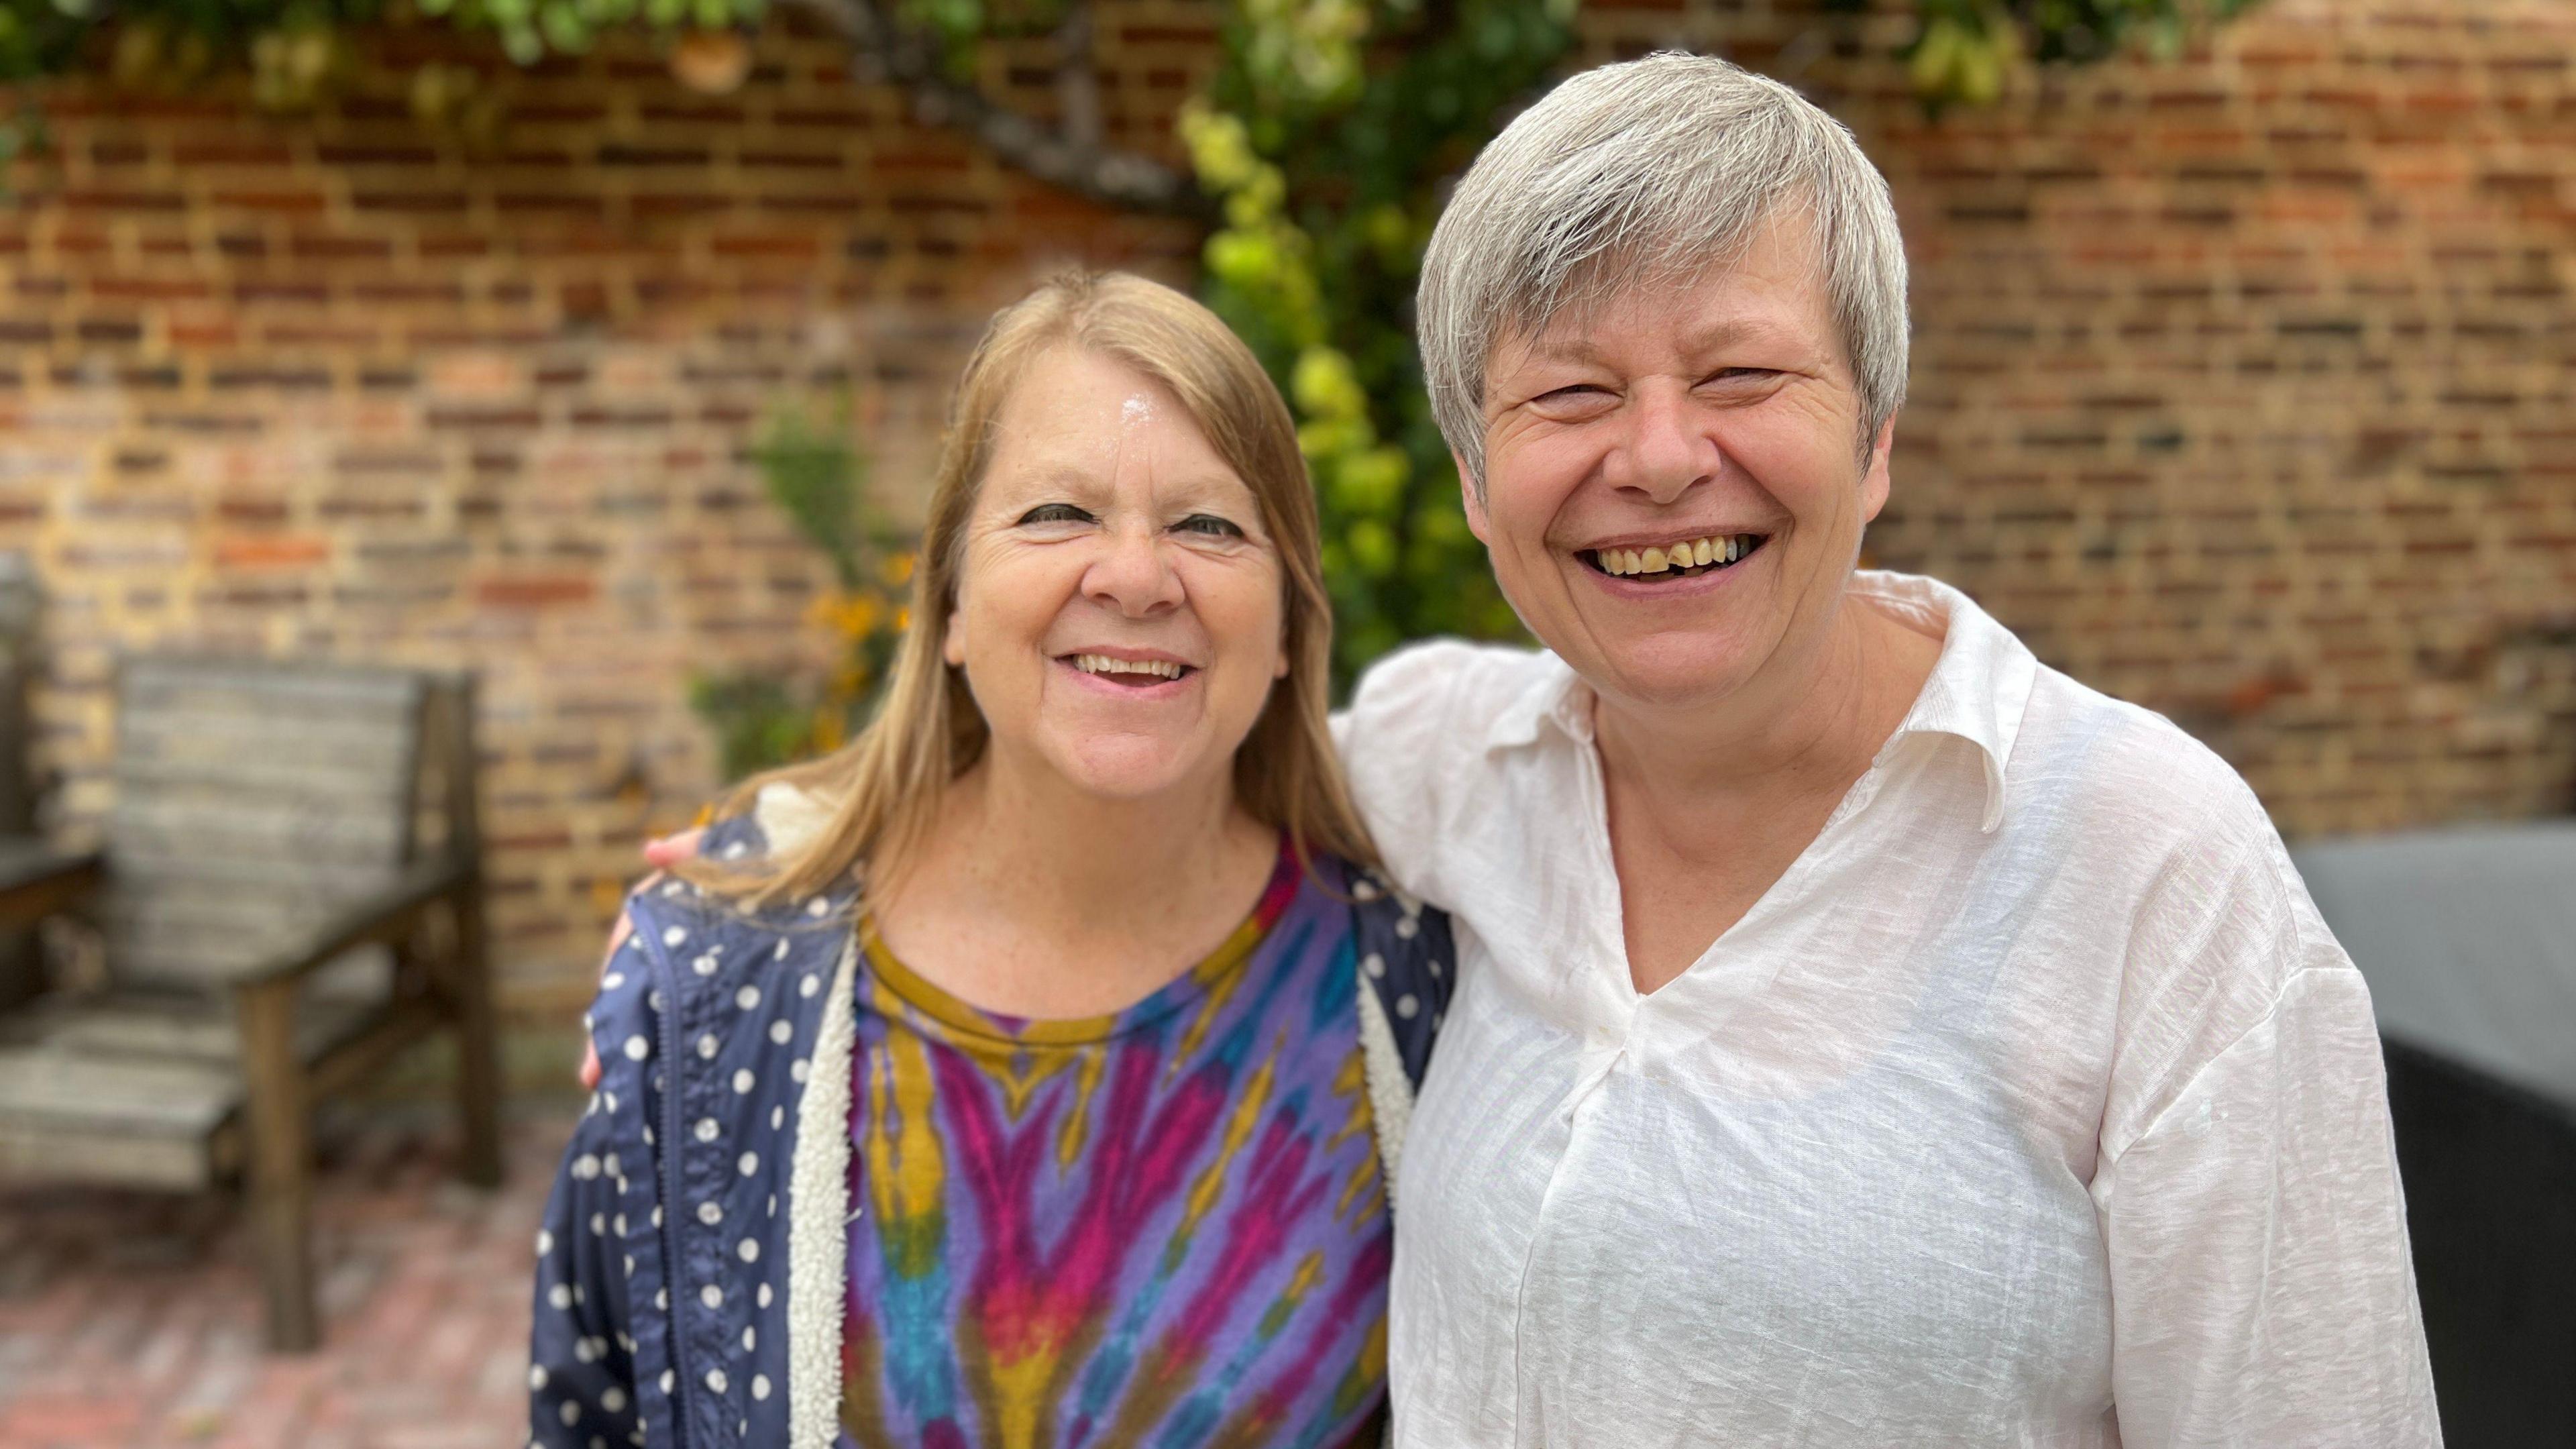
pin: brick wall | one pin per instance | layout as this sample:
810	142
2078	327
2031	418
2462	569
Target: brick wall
2240	387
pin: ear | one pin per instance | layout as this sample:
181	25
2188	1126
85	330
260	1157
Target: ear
1873	484
952	640
1474	499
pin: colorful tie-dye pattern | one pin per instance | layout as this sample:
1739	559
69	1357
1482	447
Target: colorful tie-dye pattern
1160	1228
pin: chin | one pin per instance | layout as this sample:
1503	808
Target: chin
1126	767
1668	670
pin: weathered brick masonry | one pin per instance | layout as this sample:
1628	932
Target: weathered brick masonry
2240	387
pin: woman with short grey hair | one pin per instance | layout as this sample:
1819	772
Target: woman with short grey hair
1865	1033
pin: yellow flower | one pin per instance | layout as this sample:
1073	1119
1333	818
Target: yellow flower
897	570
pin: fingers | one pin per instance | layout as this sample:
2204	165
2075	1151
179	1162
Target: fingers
670	850
590	1066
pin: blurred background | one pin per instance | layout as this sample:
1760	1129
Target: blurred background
440	443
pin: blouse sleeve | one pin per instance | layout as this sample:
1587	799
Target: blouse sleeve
2261	1288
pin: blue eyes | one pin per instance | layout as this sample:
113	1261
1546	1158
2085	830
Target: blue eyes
1206	525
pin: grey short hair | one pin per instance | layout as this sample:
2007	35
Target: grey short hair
1645	172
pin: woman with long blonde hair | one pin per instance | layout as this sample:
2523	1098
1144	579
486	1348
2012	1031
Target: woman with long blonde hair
1030	1071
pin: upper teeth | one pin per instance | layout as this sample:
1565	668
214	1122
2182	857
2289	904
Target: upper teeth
1103	664
1723	548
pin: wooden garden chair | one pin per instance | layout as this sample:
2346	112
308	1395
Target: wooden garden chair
276	922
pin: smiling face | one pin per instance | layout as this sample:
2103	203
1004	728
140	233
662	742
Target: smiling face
1631	455
1119	615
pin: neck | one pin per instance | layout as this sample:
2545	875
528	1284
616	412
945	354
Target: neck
1037	847
1801	725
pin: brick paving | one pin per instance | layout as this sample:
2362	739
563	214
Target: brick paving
134	1320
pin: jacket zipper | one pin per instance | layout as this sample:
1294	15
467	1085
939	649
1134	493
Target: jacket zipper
672	1146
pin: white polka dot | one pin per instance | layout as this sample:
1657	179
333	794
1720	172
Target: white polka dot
545	1242
662	1304
612	981
560	1296
760	1386
653	999
764	1295
582	1350
637	1048
657	1215
536	1376
598	1224
777	1117
742	1080
673	888
750	1340
610	1098
809	985
712	1296
749	1250
716	1380
1364	889
707	1045
612	1398
1374	964
781	953
674	936
585	1167
666	1381
747	998
818	906
1435	968
780	1032
1407	1007
1408	928
569	1412
749	1164
710	1214
773	1204
704	965
796	1069
707	1129
735	850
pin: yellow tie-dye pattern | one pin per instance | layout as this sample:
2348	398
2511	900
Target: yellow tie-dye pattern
907	1168
1019	1398
1209	1185
1218	976
1310	1271
1070	1137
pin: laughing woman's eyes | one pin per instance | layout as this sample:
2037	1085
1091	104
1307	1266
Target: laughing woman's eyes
1209	525
1055	513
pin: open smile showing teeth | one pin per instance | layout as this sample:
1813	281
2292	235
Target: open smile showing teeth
1675	560
1128	671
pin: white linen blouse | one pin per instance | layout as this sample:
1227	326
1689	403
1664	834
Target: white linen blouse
2033	1105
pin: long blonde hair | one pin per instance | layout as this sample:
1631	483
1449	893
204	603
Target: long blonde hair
884	787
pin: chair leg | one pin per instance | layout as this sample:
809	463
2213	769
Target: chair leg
281	1163
478	1068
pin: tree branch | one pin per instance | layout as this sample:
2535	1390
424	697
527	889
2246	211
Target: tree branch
1079	163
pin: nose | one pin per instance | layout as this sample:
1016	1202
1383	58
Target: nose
1132	576
1669	447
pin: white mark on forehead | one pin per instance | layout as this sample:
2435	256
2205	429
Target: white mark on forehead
1137	410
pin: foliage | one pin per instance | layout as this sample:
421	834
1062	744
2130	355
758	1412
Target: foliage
817	477
1965	48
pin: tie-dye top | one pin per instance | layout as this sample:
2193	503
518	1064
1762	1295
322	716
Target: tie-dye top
1161	1227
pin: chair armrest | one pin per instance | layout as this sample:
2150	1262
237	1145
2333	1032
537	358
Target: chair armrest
380	917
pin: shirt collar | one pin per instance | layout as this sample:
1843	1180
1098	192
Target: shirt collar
1980	686
1978	689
